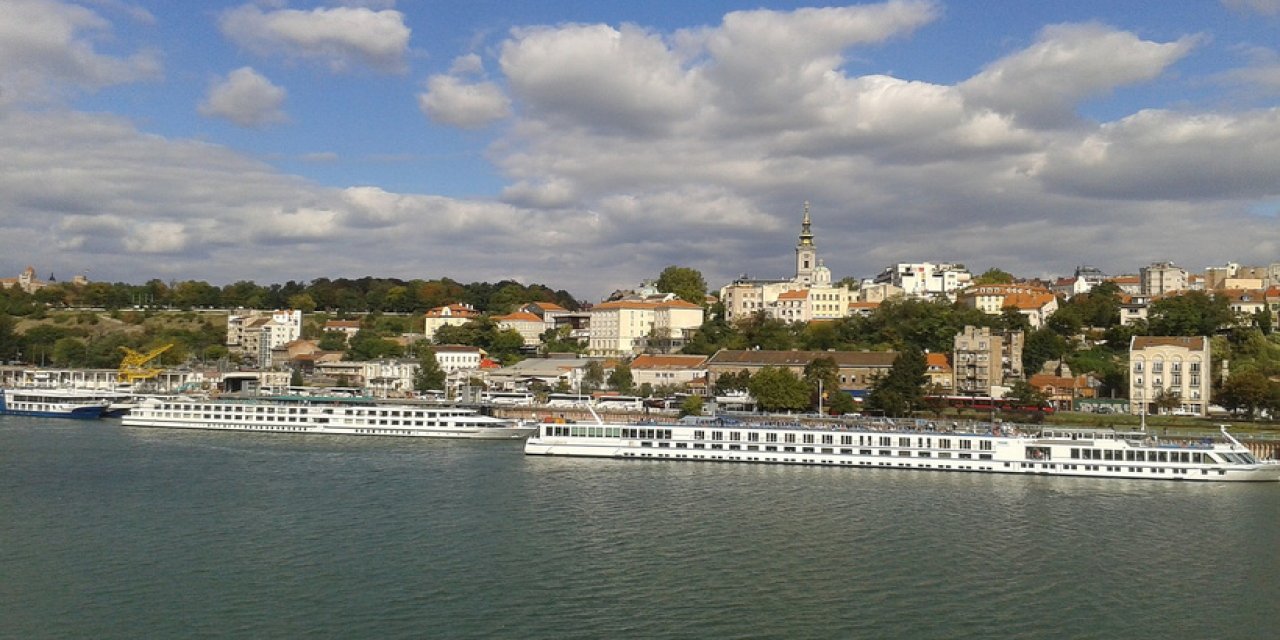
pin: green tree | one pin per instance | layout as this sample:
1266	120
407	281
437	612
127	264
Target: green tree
70	352
779	389
1194	313
1167	400
994	276
10	344
367	345
303	302
691	406
1041	346
429	375
759	331
1263	321
714	334
900	392
620	379
295	378
646	390
823	376
730	382
592	376
684	282
1246	392
332	341
1022	393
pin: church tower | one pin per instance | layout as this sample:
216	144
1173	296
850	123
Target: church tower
806	253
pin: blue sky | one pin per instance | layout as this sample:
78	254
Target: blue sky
587	145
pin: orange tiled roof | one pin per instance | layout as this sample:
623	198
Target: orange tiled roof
1194	343
667	362
519	316
795	294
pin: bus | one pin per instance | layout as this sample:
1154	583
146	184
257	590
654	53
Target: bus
568	400
620	403
517	398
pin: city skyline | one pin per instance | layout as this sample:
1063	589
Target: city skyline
586	146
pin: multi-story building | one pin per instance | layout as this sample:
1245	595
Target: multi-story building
984	362
659	370
1160	278
457	357
256	334
455	314
348	328
624	327
26	281
1234	276
1161	366
925	279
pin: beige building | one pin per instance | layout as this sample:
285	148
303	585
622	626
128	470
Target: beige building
983	363
658	370
529	326
1177	365
255	333
625	327
456	314
1162	277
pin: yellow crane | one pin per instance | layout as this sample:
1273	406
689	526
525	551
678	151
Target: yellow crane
136	365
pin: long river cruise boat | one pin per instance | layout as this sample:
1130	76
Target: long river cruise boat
321	415
1094	453
42	402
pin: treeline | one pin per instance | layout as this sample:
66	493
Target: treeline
338	295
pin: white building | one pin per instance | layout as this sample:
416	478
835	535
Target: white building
255	333
659	370
925	279
456	357
529	326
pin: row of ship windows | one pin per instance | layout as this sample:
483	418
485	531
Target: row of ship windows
922	442
317	420
827	450
291	411
1007	465
1140	455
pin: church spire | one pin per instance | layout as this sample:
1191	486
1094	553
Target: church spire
806	235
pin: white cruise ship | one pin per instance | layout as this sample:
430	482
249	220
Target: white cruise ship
1095	453
321	415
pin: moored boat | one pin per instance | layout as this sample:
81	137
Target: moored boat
321	415
52	403
1097	453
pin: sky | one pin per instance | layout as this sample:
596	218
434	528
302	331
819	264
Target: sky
588	144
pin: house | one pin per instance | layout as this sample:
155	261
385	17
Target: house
659	370
1034	302
1160	366
1133	308
348	328
1131	285
449	315
1062	391
939	373
529	326
457	357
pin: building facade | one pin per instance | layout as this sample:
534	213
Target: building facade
1161	366
983	362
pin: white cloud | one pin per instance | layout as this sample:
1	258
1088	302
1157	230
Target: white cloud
452	101
340	37
1042	84
246	98
47	50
